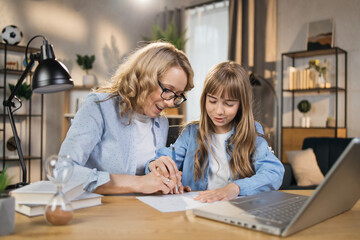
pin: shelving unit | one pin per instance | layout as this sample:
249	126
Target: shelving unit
330	101
32	144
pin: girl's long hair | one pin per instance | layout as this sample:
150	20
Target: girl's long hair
138	76
229	80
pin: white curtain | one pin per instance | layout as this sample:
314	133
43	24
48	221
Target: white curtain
207	32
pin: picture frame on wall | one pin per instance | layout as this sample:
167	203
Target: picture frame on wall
320	35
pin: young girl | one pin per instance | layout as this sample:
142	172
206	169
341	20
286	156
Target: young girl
224	152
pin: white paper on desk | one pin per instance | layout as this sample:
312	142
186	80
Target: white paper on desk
172	202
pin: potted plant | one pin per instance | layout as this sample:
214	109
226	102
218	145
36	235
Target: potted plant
170	34
24	92
330	122
304	106
321	69
7	206
86	63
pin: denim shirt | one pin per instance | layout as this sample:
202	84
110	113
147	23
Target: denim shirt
101	142
269	170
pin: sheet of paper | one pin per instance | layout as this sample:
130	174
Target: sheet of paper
172	202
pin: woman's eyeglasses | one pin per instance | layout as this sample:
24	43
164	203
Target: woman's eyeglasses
167	94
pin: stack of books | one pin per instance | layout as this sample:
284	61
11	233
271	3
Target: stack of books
32	199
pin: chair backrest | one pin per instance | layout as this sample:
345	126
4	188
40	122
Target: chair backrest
327	150
173	134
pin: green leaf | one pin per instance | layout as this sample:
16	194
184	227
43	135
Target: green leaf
24	91
170	34
85	61
4	180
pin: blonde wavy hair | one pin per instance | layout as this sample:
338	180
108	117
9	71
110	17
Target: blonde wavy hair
138	76
229	80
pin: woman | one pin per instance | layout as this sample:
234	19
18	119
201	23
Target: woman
119	127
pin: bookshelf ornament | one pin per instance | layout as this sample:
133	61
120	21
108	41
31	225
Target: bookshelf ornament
59	169
11	35
304	106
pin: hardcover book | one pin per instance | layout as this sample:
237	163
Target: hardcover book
41	192
85	200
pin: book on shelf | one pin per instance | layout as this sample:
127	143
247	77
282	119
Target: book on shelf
301	78
41	192
85	200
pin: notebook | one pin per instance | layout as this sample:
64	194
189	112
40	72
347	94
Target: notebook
283	214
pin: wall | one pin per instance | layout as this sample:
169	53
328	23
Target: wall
293	16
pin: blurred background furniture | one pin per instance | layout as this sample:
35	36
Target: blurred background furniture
327	150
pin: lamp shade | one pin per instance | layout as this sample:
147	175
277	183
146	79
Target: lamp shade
51	76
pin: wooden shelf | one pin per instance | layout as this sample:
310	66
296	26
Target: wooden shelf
21	115
304	54
17	158
309	90
77	87
18	48
14	72
175	116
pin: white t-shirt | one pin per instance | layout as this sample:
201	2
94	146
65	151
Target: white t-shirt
219	174
145	141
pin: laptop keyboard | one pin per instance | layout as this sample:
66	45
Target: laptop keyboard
279	212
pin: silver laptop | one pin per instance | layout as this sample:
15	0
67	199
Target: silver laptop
282	213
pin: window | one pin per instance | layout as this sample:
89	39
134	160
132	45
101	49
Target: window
207	32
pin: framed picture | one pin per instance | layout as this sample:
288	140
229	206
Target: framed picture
320	35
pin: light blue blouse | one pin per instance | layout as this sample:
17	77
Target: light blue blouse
101	142
269	170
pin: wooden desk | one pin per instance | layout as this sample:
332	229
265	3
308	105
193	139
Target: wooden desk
125	217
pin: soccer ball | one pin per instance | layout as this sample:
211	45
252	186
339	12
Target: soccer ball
11	35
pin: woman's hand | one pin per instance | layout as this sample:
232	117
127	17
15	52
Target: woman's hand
152	183
147	184
230	191
166	167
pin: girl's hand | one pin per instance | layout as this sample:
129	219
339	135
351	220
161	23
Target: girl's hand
165	166
230	191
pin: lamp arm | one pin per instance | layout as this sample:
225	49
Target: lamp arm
8	104
20	81
18	146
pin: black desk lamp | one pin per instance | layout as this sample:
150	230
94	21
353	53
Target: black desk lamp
50	76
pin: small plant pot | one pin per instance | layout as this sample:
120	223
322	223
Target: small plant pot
330	123
89	80
7	213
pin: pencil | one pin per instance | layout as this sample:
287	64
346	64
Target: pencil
174	158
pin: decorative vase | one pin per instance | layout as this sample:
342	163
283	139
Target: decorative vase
305	122
89	80
321	81
7	213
